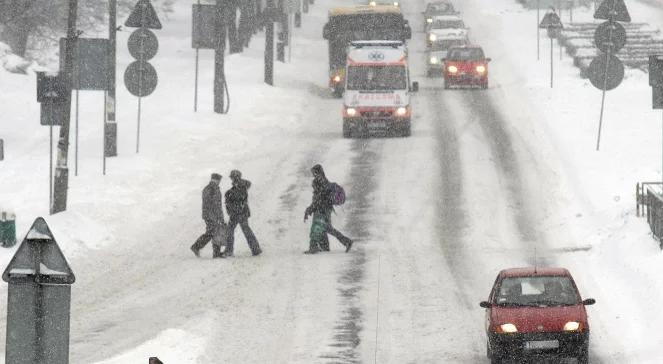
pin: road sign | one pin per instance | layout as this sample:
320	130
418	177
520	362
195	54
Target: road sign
597	72
39	259
50	88
140	78
52	113
90	63
204	18
656	70
610	36
551	20
143	16
150	44
612	10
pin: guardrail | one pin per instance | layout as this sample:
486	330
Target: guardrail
650	202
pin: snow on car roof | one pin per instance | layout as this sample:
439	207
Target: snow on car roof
446	17
532	271
450	32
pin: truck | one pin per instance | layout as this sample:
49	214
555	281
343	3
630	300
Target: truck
348	24
377	89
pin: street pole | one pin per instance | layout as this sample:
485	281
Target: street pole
61	178
50	169
110	125
551	62
269	43
219	73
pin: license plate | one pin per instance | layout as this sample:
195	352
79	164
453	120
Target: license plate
544	344
377	124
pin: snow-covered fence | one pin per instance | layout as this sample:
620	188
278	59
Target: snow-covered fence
641	40
650	202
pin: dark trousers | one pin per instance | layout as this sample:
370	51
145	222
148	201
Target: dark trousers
324	243
243	222
210	229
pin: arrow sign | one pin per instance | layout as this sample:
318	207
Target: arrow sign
39	259
612	10
143	16
551	20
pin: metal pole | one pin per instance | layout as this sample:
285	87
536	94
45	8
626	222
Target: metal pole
138	124
605	85
77	72
290	30
61	178
662	149
219	62
538	31
103	149
110	125
140	78
76	137
195	92
551	62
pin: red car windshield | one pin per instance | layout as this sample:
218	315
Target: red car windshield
536	291
466	54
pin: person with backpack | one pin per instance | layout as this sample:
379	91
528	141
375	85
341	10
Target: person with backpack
212	215
237	205
325	195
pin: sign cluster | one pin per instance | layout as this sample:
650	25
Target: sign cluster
140	76
606	71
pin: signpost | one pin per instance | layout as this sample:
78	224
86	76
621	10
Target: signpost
606	71
656	82
140	77
552	23
39	300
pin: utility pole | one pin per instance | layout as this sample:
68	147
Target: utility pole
110	127
269	43
219	71
61	179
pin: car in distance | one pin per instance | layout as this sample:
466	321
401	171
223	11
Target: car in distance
536	312
441	25
466	66
438	52
437	8
376	3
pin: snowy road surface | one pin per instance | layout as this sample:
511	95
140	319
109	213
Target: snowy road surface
481	185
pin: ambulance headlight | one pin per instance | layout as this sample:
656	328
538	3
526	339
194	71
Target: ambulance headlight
434	60
401	111
429	20
350	111
432	37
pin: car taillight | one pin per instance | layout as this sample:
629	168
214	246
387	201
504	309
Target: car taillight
481	68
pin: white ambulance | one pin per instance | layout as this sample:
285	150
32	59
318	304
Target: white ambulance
377	89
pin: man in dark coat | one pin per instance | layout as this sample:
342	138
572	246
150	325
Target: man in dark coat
237	206
212	215
321	208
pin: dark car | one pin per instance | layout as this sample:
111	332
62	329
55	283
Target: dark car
536	312
466	66
437	8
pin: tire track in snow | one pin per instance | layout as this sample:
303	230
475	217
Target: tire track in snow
362	183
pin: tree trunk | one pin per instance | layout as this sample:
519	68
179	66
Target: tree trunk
17	25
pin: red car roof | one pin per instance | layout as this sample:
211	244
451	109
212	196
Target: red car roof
531	271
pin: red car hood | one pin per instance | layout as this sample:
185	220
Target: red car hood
539	319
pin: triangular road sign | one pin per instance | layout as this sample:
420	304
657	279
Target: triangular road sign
551	20
143	16
39	259
612	10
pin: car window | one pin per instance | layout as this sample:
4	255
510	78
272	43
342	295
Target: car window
444	44
466	54
376	78
446	24
537	291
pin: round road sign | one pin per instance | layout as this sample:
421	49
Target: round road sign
597	72
610	35
140	78
149	45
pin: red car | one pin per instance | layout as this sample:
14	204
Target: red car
466	66
534	312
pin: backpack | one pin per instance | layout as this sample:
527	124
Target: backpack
337	194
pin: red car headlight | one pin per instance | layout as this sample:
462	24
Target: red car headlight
481	69
452	69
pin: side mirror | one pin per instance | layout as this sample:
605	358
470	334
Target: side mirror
485	304
325	31
488	59
589	301
415	86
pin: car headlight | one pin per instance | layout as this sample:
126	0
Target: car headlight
401	111
395	3
434	60
508	328
350	111
372	3
337	78
452	69
572	326
429	20
481	69
432	37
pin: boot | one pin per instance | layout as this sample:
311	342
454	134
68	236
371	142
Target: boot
314	248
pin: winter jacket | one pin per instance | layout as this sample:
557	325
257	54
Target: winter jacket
322	199
237	199
212	203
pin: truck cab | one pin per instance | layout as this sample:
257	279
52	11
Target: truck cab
377	89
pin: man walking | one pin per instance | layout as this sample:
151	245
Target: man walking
321	208
212	215
237	205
